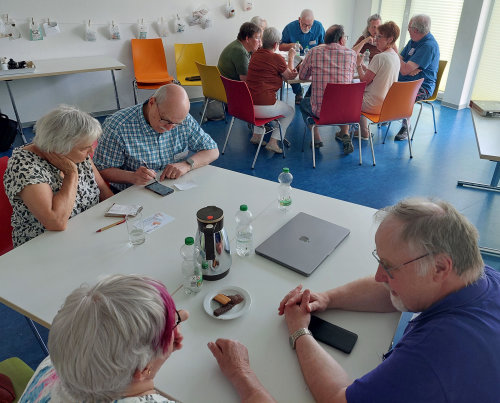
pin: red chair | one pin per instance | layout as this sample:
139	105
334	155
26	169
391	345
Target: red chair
5	213
341	105
240	105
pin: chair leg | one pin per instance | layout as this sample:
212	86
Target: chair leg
359	143
408	133
387	131
313	146
304	137
416	123
258	149
134	87
282	139
371	146
224	107
205	105
433	116
228	133
37	335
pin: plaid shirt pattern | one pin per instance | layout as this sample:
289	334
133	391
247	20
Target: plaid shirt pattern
332	63
128	140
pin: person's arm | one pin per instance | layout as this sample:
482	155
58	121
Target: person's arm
234	363
104	190
305	68
139	177
359	45
285	47
326	379
201	158
53	209
364	74
289	74
407	68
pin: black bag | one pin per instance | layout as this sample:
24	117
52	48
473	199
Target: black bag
215	111
8	131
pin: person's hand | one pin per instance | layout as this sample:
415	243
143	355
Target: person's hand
232	357
174	171
371	40
414	72
359	59
143	175
291	53
61	162
297	315
295	295
317	301
178	337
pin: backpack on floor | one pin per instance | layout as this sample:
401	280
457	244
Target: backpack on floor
8	131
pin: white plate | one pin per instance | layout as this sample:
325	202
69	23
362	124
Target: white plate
210	305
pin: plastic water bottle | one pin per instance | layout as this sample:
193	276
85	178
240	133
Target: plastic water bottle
191	271
366	57
297	47
285	191
244	231
306	50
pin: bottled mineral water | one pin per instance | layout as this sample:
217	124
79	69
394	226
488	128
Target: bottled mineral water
244	231
297	47
366	57
285	191
191	270
306	50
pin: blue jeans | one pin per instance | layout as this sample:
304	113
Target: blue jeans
297	89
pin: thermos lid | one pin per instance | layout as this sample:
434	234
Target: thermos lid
210	214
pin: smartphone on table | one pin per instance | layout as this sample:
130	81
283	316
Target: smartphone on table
333	335
160	189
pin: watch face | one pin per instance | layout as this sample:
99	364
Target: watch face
291	341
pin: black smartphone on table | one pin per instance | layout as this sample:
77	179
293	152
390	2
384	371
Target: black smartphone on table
333	335
160	189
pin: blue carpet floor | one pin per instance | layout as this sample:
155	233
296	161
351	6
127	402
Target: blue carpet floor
439	161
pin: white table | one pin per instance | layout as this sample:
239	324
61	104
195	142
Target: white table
68	65
38	275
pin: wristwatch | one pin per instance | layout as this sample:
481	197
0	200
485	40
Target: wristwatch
298	333
190	161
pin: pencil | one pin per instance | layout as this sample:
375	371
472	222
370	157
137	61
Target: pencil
111	225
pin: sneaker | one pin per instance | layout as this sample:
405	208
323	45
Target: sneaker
274	148
339	135
347	144
317	144
256	139
298	99
402	134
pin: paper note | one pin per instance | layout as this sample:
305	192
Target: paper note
156	221
185	185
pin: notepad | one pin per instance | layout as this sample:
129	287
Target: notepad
122	210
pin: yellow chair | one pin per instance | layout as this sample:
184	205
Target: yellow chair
18	372
398	104
186	54
150	65
428	101
212	86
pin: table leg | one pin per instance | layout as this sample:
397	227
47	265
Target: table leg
116	90
493	186
496	175
19	124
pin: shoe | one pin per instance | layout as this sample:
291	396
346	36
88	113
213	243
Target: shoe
255	140
298	99
339	135
402	134
347	144
274	148
317	144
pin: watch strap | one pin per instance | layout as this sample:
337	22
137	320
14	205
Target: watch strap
298	333
190	161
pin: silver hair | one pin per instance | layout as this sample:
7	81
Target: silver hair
371	18
270	37
102	334
258	20
161	94
306	13
435	227
61	129
422	23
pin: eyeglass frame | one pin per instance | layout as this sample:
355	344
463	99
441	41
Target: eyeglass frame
167	121
388	270
179	319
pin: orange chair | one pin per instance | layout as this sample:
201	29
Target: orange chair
212	86
428	101
240	105
398	104
335	113
186	55
150	65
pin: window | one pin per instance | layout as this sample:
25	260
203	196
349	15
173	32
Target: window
487	85
393	10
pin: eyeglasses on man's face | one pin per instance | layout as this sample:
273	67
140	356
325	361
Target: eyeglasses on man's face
390	270
165	121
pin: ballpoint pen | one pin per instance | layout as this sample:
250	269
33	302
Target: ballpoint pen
146	165
111	225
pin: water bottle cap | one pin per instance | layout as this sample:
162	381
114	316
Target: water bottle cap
286	169
189	240
204	265
243	207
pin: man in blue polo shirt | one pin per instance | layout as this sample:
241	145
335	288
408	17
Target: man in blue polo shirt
419	59
308	33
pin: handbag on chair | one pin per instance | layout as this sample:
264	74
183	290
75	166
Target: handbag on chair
8	131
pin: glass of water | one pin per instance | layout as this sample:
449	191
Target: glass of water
135	227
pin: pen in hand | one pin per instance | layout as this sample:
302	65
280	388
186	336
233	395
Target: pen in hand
146	165
111	225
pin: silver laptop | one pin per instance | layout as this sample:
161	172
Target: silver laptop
303	243
486	108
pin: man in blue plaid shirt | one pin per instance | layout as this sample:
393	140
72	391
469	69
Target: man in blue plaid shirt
153	137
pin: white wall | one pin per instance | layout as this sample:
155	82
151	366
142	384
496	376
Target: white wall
93	92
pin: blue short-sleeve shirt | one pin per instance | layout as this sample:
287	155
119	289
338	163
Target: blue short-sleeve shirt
292	33
425	54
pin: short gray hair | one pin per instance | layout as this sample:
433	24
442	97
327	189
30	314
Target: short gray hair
103	334
61	129
258	21
307	13
422	23
270	37
434	227
374	17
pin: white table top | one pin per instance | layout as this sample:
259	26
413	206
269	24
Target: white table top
38	275
68	65
487	136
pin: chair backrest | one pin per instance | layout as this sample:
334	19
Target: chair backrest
186	54
211	82
442	66
150	64
341	103
19	373
239	100
5	213
399	101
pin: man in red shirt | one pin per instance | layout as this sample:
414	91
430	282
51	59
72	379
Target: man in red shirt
328	63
